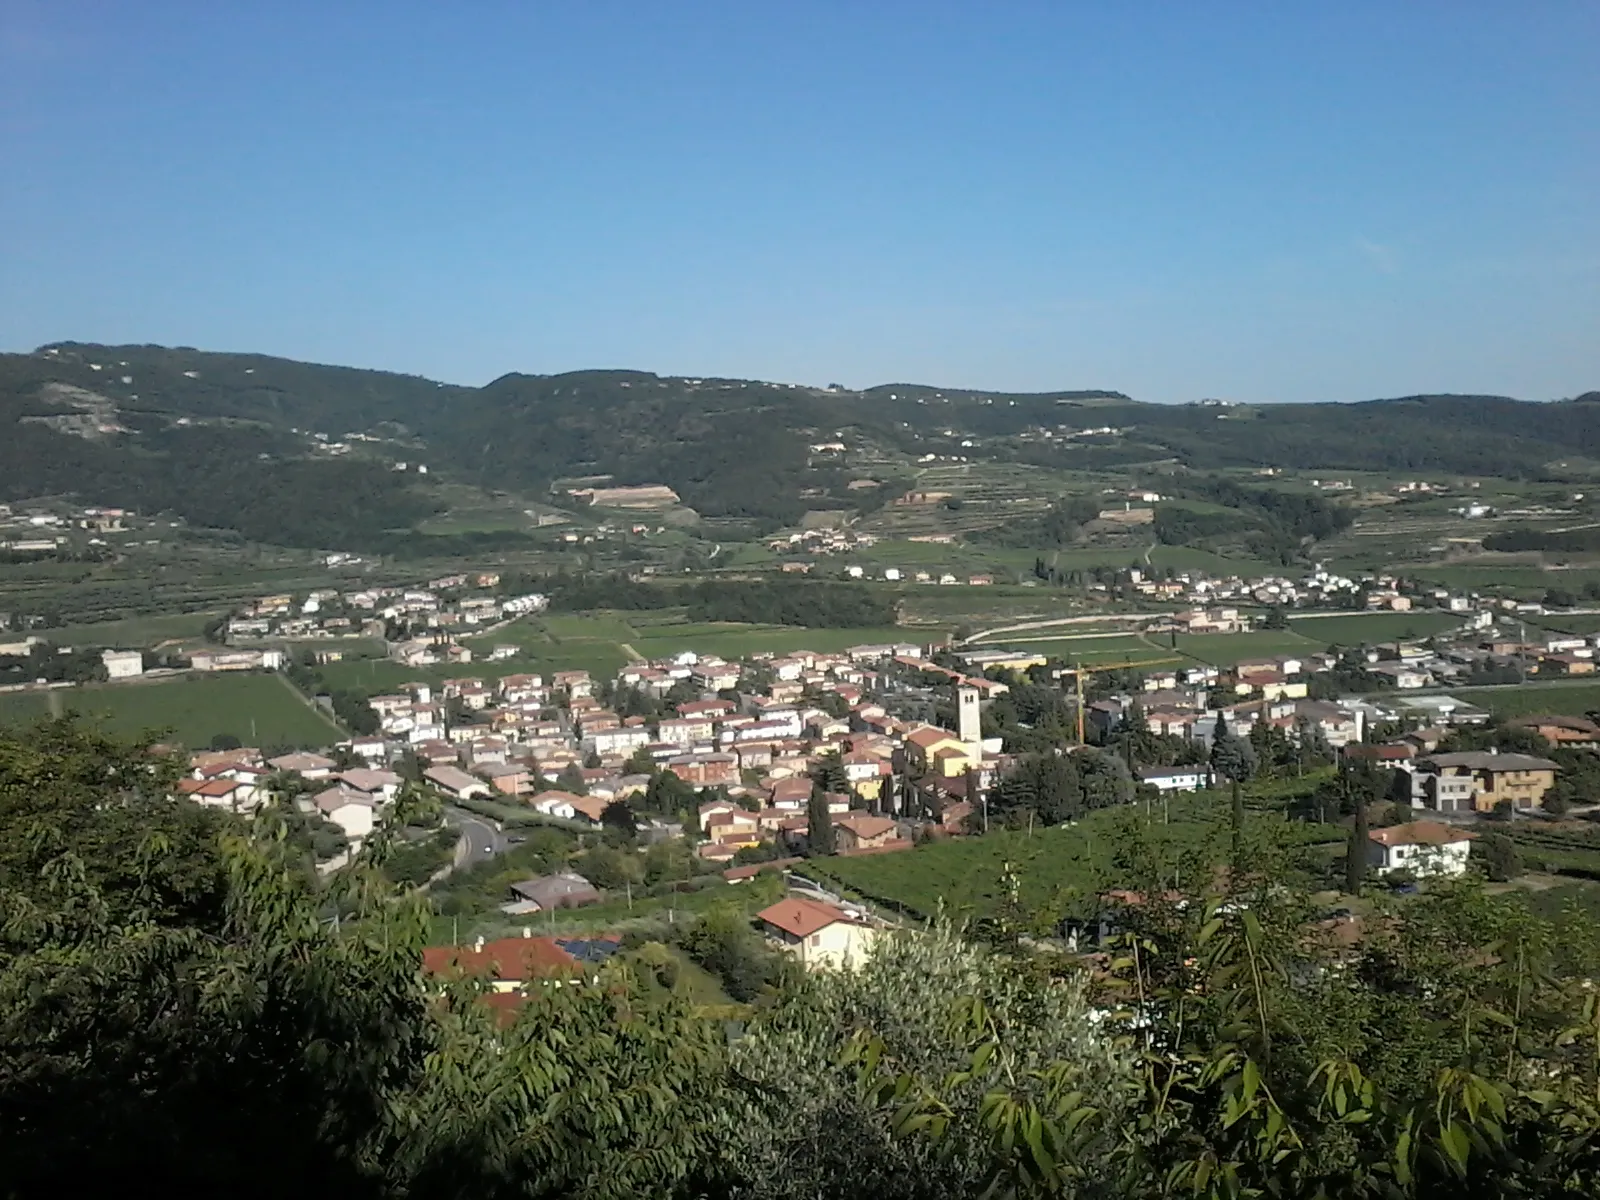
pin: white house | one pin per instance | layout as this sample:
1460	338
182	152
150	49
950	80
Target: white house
819	935
555	804
353	812
1177	779
307	766
122	664
624	740
456	783
382	786
1421	847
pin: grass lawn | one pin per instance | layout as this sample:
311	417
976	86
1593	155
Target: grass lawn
259	710
1367	629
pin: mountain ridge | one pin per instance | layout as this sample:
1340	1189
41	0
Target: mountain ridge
191	431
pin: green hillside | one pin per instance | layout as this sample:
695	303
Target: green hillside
304	455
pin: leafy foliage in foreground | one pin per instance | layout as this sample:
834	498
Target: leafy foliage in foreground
179	1004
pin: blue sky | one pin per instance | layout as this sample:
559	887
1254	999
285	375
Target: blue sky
1273	201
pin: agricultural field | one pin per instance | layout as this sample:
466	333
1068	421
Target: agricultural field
1584	624
1096	649
134	632
259	710
1368	629
1571	698
1566	848
1516	576
983	606
1226	649
603	642
737	641
962	878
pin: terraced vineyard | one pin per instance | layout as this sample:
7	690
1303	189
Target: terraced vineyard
1566	849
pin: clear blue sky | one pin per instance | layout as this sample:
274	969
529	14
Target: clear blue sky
1272	201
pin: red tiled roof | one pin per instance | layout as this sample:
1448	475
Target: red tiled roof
515	958
801	918
1420	833
750	870
865	826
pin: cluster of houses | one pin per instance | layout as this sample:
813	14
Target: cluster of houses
1480	648
354	799
757	736
817	933
450	604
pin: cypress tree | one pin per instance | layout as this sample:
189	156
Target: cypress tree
819	822
1355	859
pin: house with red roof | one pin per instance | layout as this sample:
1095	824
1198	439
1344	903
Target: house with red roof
819	935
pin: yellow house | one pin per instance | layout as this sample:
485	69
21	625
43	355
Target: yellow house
1289	689
819	935
1488	778
866	773
934	751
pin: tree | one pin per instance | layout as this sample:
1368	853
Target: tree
1271	749
1275	618
1558	800
819	822
807	1128
225	741
609	868
1237	810
667	860
1271	1061
640	763
723	943
1231	756
1355	857
1497	854
1312	744
619	816
667	795
828	772
571	780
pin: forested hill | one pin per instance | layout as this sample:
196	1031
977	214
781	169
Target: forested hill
241	441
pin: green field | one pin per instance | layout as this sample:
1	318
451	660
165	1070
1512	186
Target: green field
1579	623
601	642
1368	629
1572	698
1306	635
737	641
1225	649
259	710
1094	649
963	877
133	633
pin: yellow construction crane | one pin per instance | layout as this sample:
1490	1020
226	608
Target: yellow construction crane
1080	671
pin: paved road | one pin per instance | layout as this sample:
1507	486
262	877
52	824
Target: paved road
483	839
